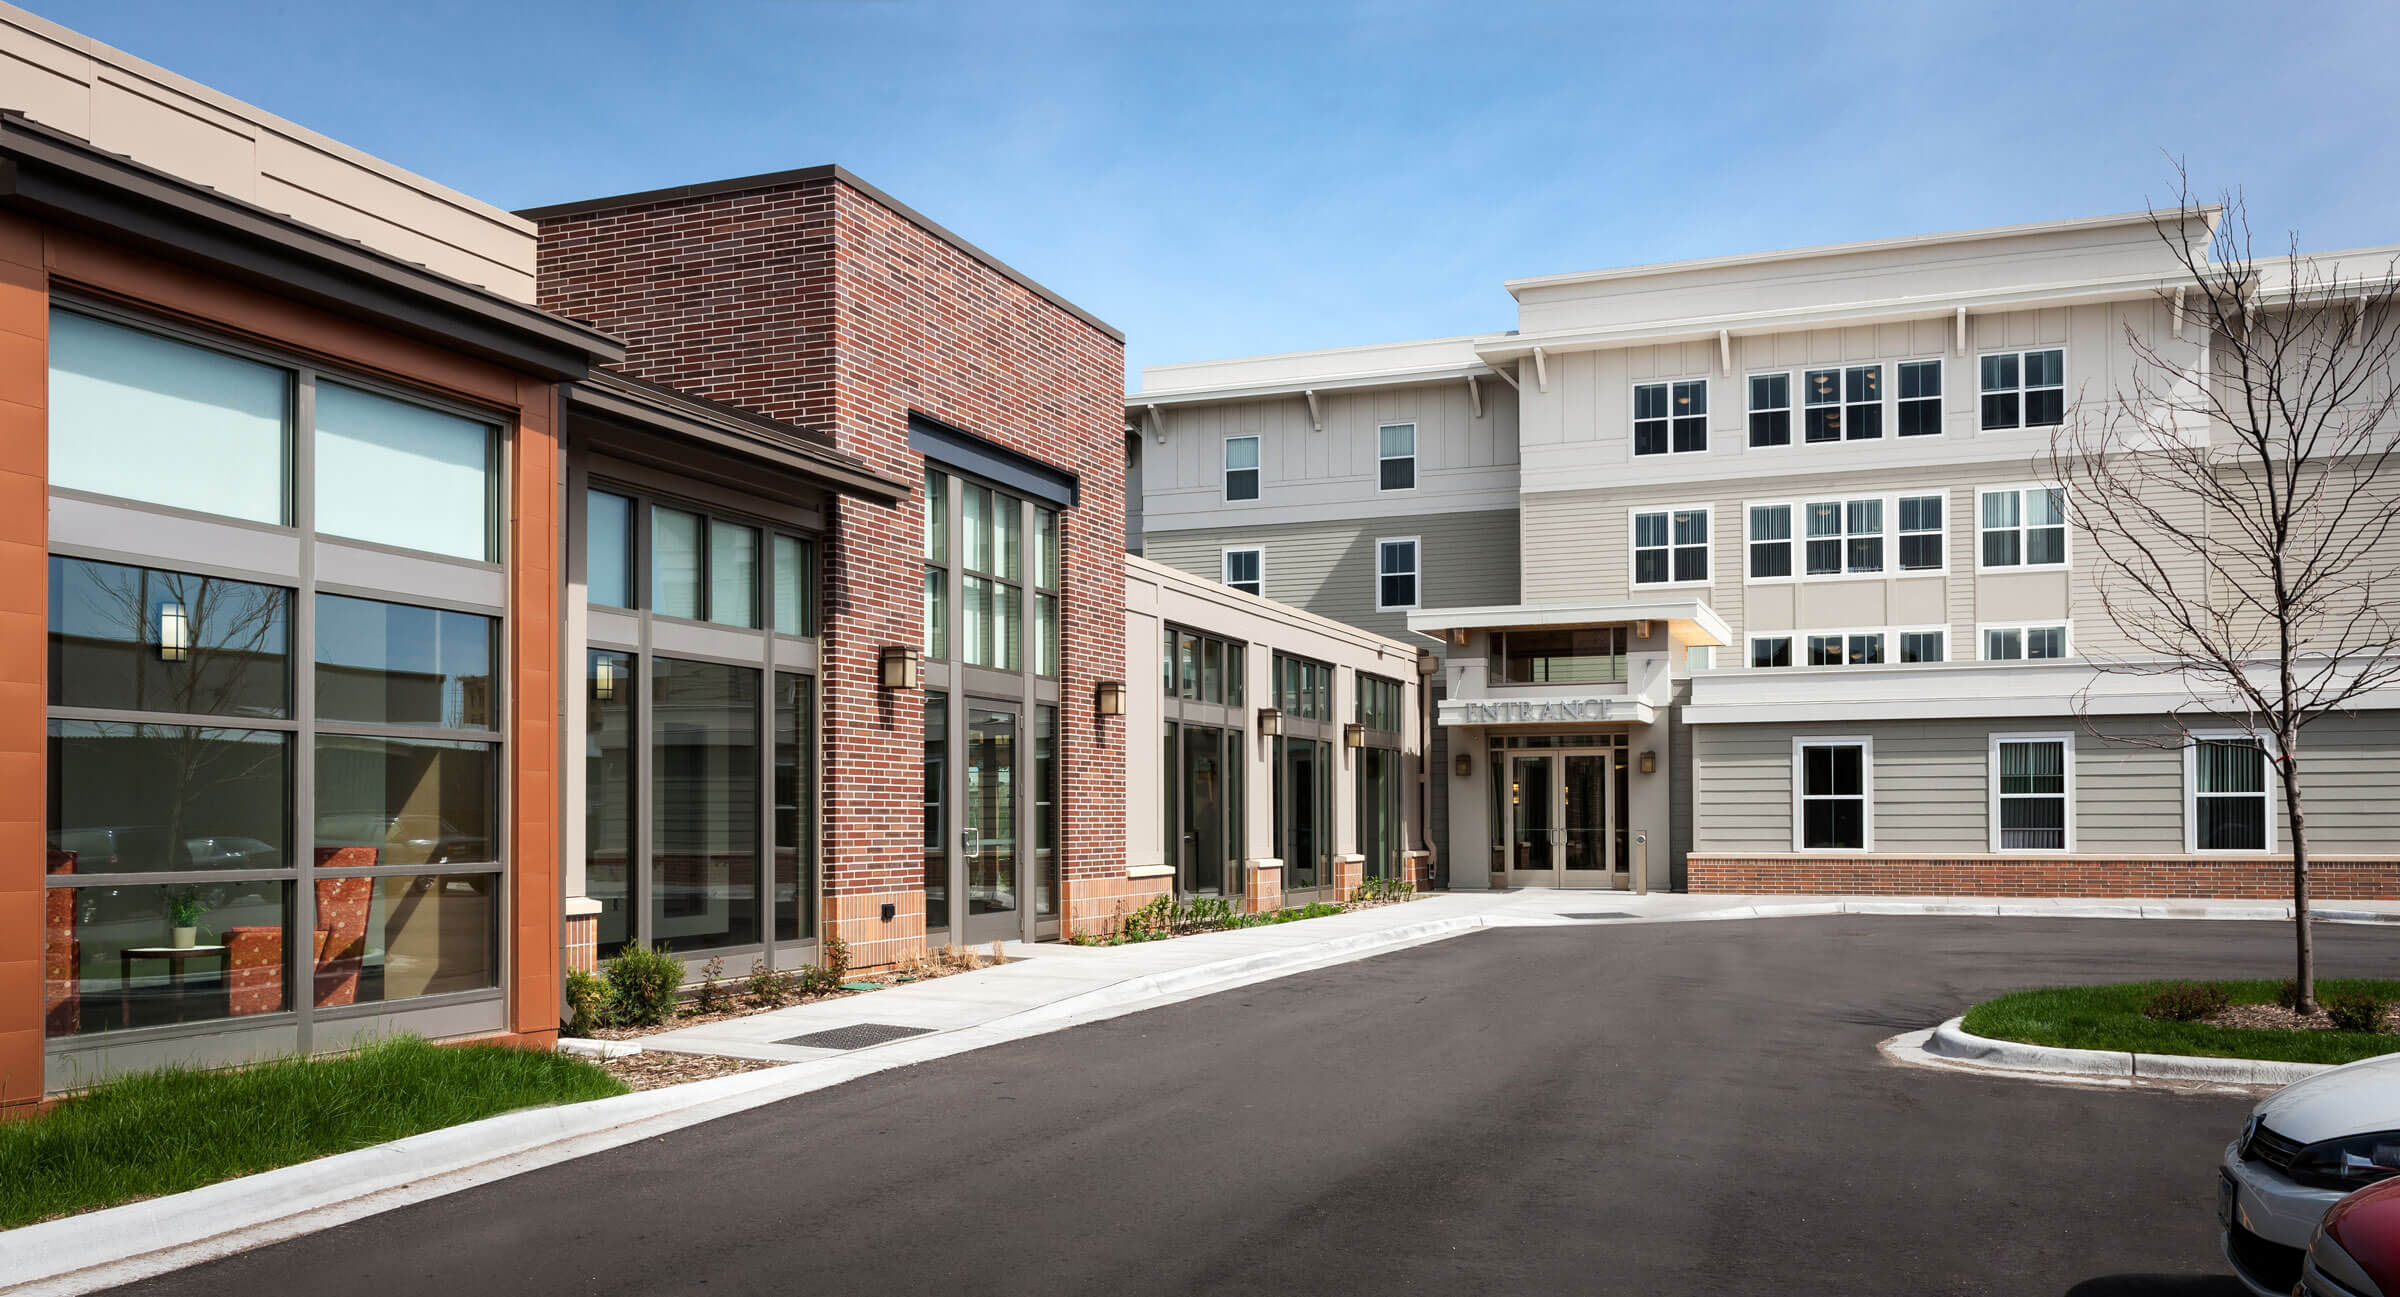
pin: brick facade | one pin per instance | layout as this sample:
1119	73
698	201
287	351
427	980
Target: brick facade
2266	878
811	299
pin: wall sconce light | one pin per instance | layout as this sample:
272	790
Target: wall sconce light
1458	636
1649	762
1462	765
604	680
1108	698
1270	722
174	633
1641	630
899	667
1354	735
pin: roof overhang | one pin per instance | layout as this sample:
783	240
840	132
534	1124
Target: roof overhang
66	181
680	416
1960	690
1689	622
1452	373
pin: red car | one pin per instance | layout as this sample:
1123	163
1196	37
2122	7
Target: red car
2356	1252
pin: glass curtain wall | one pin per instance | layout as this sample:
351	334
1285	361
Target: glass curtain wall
1378	708
1304	774
1200	768
270	806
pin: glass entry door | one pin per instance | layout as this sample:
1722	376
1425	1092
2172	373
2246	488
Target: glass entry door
988	836
1201	869
1559	832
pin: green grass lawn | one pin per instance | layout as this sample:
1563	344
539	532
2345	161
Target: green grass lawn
2110	1017
167	1131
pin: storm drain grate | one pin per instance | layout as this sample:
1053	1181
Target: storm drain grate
856	1036
1599	914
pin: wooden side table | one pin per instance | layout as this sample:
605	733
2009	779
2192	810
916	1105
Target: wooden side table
176	957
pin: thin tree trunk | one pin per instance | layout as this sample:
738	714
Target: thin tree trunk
2289	764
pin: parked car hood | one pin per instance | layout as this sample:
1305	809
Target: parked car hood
2352	1099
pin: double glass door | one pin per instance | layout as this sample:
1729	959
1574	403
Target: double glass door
1559	822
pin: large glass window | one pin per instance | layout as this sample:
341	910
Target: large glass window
397	664
795	586
1045	811
675	563
937	558
703	569
608	549
732	574
1046	629
991	596
140	639
937	809
403	475
704	804
130	798
795	806
1588	655
384	801
122	955
147	418
609	795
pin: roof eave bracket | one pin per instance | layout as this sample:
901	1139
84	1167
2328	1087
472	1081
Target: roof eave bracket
1541	370
1316	413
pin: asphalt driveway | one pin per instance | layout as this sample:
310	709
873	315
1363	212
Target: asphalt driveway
1655	1109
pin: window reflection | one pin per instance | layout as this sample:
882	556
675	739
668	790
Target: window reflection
394	664
130	798
704	805
139	639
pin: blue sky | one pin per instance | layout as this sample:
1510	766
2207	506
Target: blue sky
1228	179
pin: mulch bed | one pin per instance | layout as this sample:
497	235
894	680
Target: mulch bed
2274	1017
741	1006
653	1068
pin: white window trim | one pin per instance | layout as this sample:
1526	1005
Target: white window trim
1231	550
1888	511
2066	543
2021	389
1750	649
1866	791
2064	624
1791	407
1882	401
1415	469
1225	470
1633	404
1941	426
1893	644
1949	541
1416	572
2191	791
1791	542
1800	639
1670	510
1891	537
1992	780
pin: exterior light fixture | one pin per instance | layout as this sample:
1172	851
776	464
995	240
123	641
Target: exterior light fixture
1270	722
899	663
1458	636
1641	630
174	633
1462	765
1649	762
1354	735
604	680
1108	698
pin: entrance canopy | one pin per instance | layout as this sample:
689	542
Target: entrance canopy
1690	623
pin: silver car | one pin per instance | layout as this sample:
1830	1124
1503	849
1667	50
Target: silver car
2306	1146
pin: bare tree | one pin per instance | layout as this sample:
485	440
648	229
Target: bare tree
2236	503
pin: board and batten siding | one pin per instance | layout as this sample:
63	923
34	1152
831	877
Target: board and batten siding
1328	568
1932	786
1464	460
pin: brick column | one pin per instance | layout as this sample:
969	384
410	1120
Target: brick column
1262	886
24	612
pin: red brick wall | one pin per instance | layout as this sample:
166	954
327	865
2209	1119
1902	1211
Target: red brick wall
813	303
2252	879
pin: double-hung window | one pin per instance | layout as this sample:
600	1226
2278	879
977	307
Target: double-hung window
2230	811
1844	404
1241	468
1246	569
1670	416
1833	788
1396	457
1770	650
2024	527
1920	403
1396	574
1845	537
1921	533
2024	389
2015	643
1670	546
1770	542
2032	782
1771	409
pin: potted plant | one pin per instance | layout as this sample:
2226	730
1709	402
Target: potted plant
184	909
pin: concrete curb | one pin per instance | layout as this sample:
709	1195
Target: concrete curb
118	1245
1953	1042
2200	910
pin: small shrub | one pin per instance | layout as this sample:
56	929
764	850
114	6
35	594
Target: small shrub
2288	994
2185	1002
1383	889
837	959
768	987
711	996
642	985
587	1003
2355	1011
818	980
